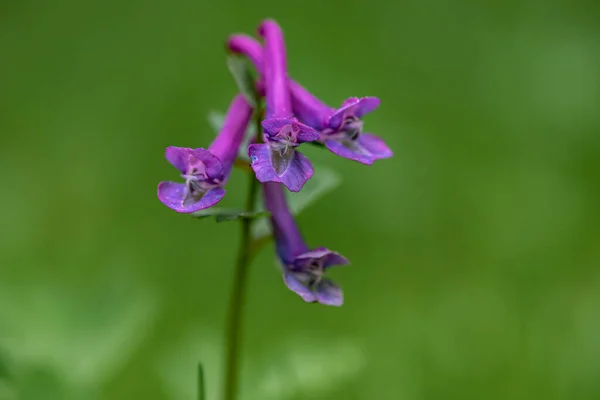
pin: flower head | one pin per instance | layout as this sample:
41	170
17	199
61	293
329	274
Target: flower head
277	160
303	269
206	171
341	130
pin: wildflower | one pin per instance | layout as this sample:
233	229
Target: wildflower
206	171
341	130
277	160
303	269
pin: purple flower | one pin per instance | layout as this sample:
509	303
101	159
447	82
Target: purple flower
341	129
277	160
206	171
342	132
303	269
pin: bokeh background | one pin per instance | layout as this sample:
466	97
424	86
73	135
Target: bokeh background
475	250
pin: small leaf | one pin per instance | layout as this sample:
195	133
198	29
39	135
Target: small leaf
216	119
323	181
201	385
240	69
224	215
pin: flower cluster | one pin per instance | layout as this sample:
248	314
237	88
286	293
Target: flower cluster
293	117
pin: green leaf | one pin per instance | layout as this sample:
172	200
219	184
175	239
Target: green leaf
224	215
201	385
240	69
216	119
323	181
71	338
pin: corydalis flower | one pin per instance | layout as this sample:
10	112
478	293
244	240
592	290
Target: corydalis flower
340	130
277	160
303	269
206	171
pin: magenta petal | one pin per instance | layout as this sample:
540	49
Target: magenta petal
330	258
306	133
212	164
299	171
326	257
366	105
183	158
178	157
350	149
303	133
171	194
353	106
273	126
329	293
296	286
260	158
375	146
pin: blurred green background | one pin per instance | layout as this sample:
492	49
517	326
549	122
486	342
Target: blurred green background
475	250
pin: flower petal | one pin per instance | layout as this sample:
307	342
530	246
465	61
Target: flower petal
329	293
353	106
350	149
375	146
328	258
273	126
299	171
172	194
178	157
260	159
306	133
182	158
303	133
296	286
212	164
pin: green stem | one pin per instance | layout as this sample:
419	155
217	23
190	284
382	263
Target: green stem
236	305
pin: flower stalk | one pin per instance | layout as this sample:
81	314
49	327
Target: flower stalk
235	316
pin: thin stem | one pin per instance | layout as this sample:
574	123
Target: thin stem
236	305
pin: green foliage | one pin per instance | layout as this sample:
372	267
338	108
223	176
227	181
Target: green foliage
242	74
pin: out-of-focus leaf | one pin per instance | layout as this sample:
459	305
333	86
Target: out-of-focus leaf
323	181
216	119
240	69
79	338
43	383
295	368
224	215
201	385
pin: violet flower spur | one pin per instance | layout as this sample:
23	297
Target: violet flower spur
341	129
277	160
206	171
303	269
